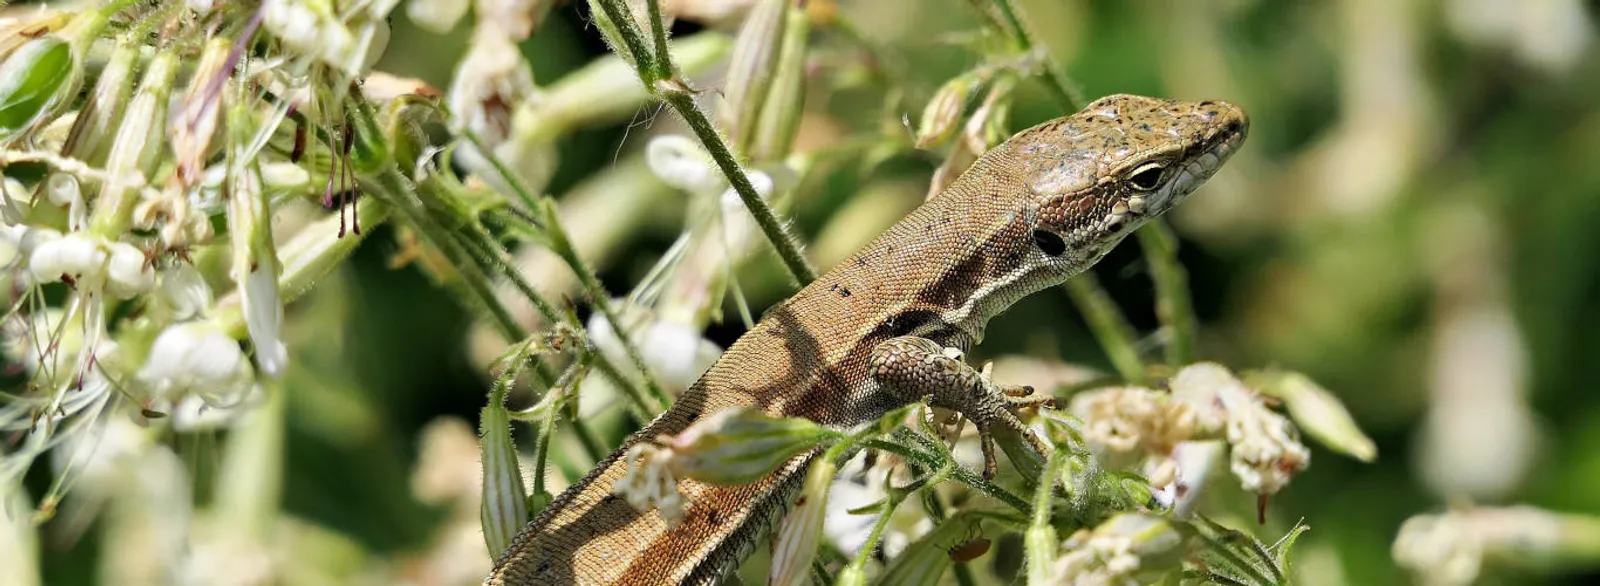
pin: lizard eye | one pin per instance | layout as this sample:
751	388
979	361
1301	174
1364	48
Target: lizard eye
1049	242
1147	177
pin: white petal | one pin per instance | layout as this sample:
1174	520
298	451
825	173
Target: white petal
69	255
680	162
185	291
263	315
127	273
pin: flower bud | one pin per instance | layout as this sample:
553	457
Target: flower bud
801	531
33	78
1039	551
942	116
739	446
505	499
1452	548
369	148
255	265
611	32
925	561
752	69
436	16
136	150
785	100
1319	413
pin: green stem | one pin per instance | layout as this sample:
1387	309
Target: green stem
1108	325
622	18
545	211
782	238
1173	304
562	245
1056	81
664	67
1046	488
662	80
957	473
395	189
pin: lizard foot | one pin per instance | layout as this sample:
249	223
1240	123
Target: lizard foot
920	369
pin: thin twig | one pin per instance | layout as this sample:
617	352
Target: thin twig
1108	324
1173	305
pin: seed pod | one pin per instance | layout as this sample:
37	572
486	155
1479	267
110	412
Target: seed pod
32	78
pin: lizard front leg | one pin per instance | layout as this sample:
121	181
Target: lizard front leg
916	368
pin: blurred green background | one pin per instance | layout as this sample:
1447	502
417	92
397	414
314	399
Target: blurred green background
1412	223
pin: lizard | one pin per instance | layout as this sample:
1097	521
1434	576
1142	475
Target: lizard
888	326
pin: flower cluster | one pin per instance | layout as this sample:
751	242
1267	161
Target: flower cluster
1125	425
138	235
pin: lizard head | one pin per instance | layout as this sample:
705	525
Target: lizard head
1097	175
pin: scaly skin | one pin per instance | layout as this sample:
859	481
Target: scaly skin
871	334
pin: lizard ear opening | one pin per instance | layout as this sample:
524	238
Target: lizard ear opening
1049	242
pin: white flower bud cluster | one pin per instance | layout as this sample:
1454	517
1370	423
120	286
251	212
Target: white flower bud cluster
1127	424
90	262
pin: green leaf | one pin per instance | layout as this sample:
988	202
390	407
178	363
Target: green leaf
30	79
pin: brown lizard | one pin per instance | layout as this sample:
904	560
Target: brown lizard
887	326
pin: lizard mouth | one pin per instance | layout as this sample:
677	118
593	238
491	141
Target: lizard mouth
1206	157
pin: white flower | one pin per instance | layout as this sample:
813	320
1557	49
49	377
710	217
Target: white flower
263	314
256	268
92	262
196	358
676	353
1440	550
185	292
73	255
127	273
436	16
680	162
311	28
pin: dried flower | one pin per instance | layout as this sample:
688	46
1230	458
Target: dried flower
942	116
649	483
1130	421
1264	449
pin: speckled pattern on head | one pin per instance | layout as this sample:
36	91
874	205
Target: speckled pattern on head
1026	216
